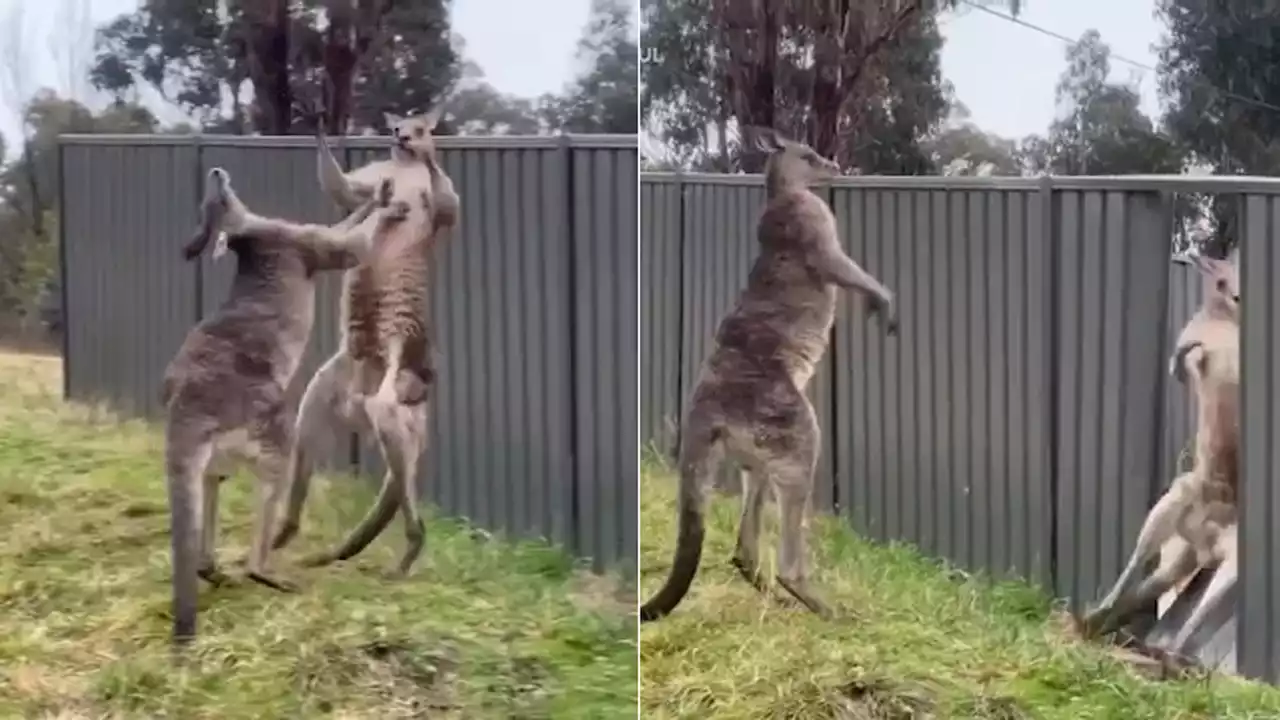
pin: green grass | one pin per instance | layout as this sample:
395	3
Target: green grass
484	628
913	641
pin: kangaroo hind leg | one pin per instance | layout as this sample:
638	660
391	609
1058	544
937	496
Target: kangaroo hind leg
791	470
188	450
383	421
746	554
1223	582
1160	525
319	419
220	467
402	435
274	442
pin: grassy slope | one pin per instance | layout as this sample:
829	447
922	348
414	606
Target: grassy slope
913	642
483	629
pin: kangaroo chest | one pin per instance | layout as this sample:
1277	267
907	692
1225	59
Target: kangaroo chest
387	296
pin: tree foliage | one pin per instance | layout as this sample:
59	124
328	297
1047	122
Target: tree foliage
1104	131
859	80
603	98
1222	93
242	66
29	199
354	59
962	148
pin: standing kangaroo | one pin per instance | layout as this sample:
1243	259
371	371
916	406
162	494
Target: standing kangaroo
1198	511
750	403
380	377
225	391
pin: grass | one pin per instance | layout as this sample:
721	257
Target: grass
914	641
484	628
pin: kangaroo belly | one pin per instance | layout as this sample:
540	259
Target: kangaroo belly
387	299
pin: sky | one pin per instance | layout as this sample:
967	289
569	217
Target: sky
524	48
1003	72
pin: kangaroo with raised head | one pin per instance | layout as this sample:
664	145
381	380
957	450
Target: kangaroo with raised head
749	404
380	377
412	152
1199	508
225	389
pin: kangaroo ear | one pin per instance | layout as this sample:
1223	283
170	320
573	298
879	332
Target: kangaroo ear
392	119
432	117
1206	265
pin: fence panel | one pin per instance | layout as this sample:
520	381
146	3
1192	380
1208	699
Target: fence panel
1258	592
523	383
1185	294
606	449
1113	327
661	384
937	435
126	212
1020	415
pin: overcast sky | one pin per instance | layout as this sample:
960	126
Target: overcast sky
1006	73
524	48
1003	72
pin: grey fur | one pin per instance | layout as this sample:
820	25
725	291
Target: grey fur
225	389
749	403
379	379
1193	525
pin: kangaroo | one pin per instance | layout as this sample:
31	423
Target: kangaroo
749	403
385	343
225	389
1200	505
412	150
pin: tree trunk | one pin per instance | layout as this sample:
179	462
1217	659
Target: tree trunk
354	27
753	104
828	80
339	66
268	22
761	110
841	54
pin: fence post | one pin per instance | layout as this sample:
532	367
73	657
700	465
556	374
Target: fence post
197	148
569	189
680	390
353	438
833	357
1052	244
1258	648
62	271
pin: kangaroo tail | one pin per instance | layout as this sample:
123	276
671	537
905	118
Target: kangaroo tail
695	476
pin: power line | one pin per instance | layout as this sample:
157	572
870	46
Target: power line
1141	66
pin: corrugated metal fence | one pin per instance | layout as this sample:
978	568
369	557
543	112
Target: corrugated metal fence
534	309
1022	421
